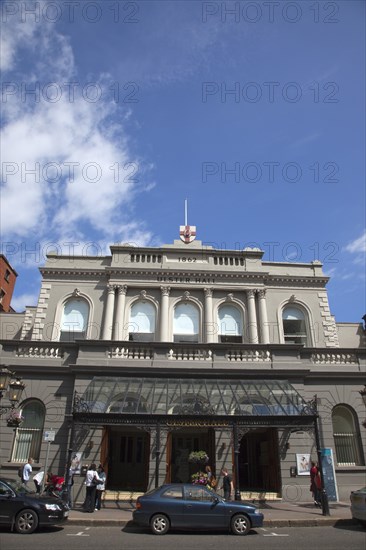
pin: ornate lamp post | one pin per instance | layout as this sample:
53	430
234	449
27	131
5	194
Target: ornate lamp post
13	388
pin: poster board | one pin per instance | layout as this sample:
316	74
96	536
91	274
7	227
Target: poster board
330	483
303	464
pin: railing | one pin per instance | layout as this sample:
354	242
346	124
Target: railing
332	358
347	449
130	352
251	355
189	354
39	352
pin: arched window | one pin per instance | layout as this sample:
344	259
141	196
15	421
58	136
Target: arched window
74	320
294	326
186	323
346	436
28	437
129	403
142	322
230	324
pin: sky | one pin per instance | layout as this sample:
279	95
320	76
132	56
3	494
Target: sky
115	112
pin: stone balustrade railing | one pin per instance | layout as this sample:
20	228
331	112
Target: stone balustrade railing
39	352
130	353
189	354
334	358
249	355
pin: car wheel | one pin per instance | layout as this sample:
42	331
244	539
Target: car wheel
240	524
159	524
26	522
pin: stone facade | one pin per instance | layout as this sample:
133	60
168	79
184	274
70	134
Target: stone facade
322	360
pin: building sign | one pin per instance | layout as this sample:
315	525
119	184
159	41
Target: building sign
49	436
329	477
187	280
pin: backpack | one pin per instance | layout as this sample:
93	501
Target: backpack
20	472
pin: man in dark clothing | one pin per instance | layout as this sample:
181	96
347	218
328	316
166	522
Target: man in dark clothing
227	484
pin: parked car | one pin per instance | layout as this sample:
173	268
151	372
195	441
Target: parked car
358	505
187	506
23	510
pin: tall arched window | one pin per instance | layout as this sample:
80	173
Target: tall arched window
28	438
142	322
74	320
346	436
294	326
186	323
230	324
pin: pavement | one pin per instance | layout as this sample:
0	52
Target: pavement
276	514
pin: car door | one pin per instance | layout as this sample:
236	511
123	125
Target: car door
171	503
9	503
202	509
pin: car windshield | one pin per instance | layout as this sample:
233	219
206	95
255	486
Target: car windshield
18	487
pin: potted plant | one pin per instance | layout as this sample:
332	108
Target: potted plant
198	457
14	418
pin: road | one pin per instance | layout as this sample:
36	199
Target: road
135	538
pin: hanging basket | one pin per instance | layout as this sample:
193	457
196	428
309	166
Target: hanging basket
198	457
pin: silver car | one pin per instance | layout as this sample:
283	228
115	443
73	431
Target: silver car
358	505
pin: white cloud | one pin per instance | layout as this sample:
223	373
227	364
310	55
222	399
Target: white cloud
18	303
46	142
358	245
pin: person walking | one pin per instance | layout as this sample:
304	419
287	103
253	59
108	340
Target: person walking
38	478
227	484
91	481
100	487
27	470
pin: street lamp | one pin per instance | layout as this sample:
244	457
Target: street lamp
363	395
14	388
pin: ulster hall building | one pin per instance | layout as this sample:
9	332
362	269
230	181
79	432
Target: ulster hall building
136	359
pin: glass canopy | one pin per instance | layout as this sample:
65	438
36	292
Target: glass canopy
168	396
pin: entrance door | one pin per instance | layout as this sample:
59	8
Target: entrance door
128	460
259	461
184	442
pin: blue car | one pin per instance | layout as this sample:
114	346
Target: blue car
186	506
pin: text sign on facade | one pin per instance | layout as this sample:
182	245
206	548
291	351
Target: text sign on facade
49	436
330	483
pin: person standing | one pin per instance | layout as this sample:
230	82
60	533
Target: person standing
27	470
70	484
227	484
315	483
91	481
100	487
38	478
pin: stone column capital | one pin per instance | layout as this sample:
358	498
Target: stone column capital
165	290
262	293
251	293
122	290
208	292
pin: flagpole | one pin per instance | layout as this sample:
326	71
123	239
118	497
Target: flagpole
185	213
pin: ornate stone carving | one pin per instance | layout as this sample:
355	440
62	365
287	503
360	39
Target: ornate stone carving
208	292
251	293
230	297
262	293
187	295
122	289
143	294
76	292
165	290
292	298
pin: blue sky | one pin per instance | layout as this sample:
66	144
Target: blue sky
256	116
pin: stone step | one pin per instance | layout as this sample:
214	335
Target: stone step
131	496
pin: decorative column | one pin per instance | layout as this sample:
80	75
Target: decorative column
209	325
109	310
164	313
264	329
120	311
253	331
